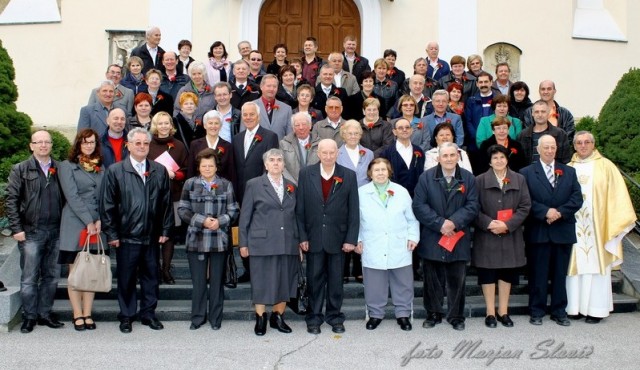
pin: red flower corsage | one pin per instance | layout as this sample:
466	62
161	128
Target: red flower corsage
420	126
505	181
198	122
338	180
118	94
558	172
228	119
462	189
390	192
439	65
448	120
146	173
391	72
172	78
289	188
248	89
214	186
514	151
313	114
52	171
207	88
257	138
220	150
336	91
555	115
307	146
276	107
417	154
356	60
370	125
96	169
170	145
362	152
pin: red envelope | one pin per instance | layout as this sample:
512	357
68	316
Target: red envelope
449	242
505	215
83	238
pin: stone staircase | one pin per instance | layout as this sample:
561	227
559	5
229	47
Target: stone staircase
175	300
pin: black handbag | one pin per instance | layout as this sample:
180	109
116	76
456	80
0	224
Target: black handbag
300	304
230	270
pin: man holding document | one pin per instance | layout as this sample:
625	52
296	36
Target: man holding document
446	204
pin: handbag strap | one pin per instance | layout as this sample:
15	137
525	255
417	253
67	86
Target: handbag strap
87	242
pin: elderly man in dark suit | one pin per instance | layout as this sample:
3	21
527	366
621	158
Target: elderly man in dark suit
550	230
122	96
94	116
137	216
248	147
150	52
446	204
327	209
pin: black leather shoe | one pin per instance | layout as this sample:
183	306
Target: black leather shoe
153	323
457	324
27	326
88	326
490	321
50	322
338	328
79	327
215	327
261	324
404	323
535	320
244	278
562	321
592	320
125	326
505	320
313	329
432	320
373	323
276	321
576	317
194	326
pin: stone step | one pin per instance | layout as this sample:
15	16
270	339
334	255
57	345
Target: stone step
353	308
182	289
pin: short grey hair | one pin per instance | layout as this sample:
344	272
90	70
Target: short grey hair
251	104
106	82
212	114
150	30
305	115
584	132
447	145
545	137
440	92
274	152
198	66
138	130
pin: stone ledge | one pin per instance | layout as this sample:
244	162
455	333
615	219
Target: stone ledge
10	303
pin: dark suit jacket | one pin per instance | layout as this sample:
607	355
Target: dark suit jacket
164	104
566	197
327	225
226	165
251	166
267	226
320	98
142	52
361	64
407	177
251	92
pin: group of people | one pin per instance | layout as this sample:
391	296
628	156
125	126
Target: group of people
361	173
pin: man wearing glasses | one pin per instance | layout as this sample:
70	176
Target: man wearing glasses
34	205
137	215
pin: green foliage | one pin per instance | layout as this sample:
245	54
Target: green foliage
618	128
8	162
586	123
15	127
634	192
61	145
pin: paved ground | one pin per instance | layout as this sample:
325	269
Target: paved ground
612	343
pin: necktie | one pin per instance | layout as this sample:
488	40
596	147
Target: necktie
550	175
140	168
248	137
241	87
269	109
303	157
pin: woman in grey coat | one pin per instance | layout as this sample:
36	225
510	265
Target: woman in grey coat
80	177
498	244
208	206
269	234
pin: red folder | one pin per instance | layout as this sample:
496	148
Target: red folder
505	215
83	238
449	242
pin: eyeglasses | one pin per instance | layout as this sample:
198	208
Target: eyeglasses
41	142
140	143
408	105
586	142
88	143
256	60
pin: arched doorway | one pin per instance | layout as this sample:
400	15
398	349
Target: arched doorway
292	21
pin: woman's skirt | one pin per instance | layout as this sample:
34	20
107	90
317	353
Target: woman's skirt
274	279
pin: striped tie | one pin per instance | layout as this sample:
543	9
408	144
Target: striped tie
550	176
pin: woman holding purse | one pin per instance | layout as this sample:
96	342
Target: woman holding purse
207	205
80	178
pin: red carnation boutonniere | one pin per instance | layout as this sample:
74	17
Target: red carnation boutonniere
172	78
390	192
420	126
555	115
462	189
428	84
146	173
505	181
159	97
370	125
388	83
464	77
228	119
257	138
207	88
439	65
417	154
558	172
276	107
220	150
118	94
514	151
314	114
198	122
96	169
214	186
362	152
170	145
52	171
448	121
392	72
248	89
336	91
357	60
290	189
337	179
307	146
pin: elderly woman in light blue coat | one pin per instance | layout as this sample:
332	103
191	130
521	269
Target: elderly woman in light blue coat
389	232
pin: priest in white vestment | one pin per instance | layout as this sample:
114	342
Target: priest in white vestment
606	216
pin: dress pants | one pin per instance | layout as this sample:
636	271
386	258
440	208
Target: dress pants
548	261
137	260
453	274
199	263
378	283
324	274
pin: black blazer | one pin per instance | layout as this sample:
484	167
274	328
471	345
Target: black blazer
251	166
327	225
320	99
164	103
142	52
226	165
566	197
